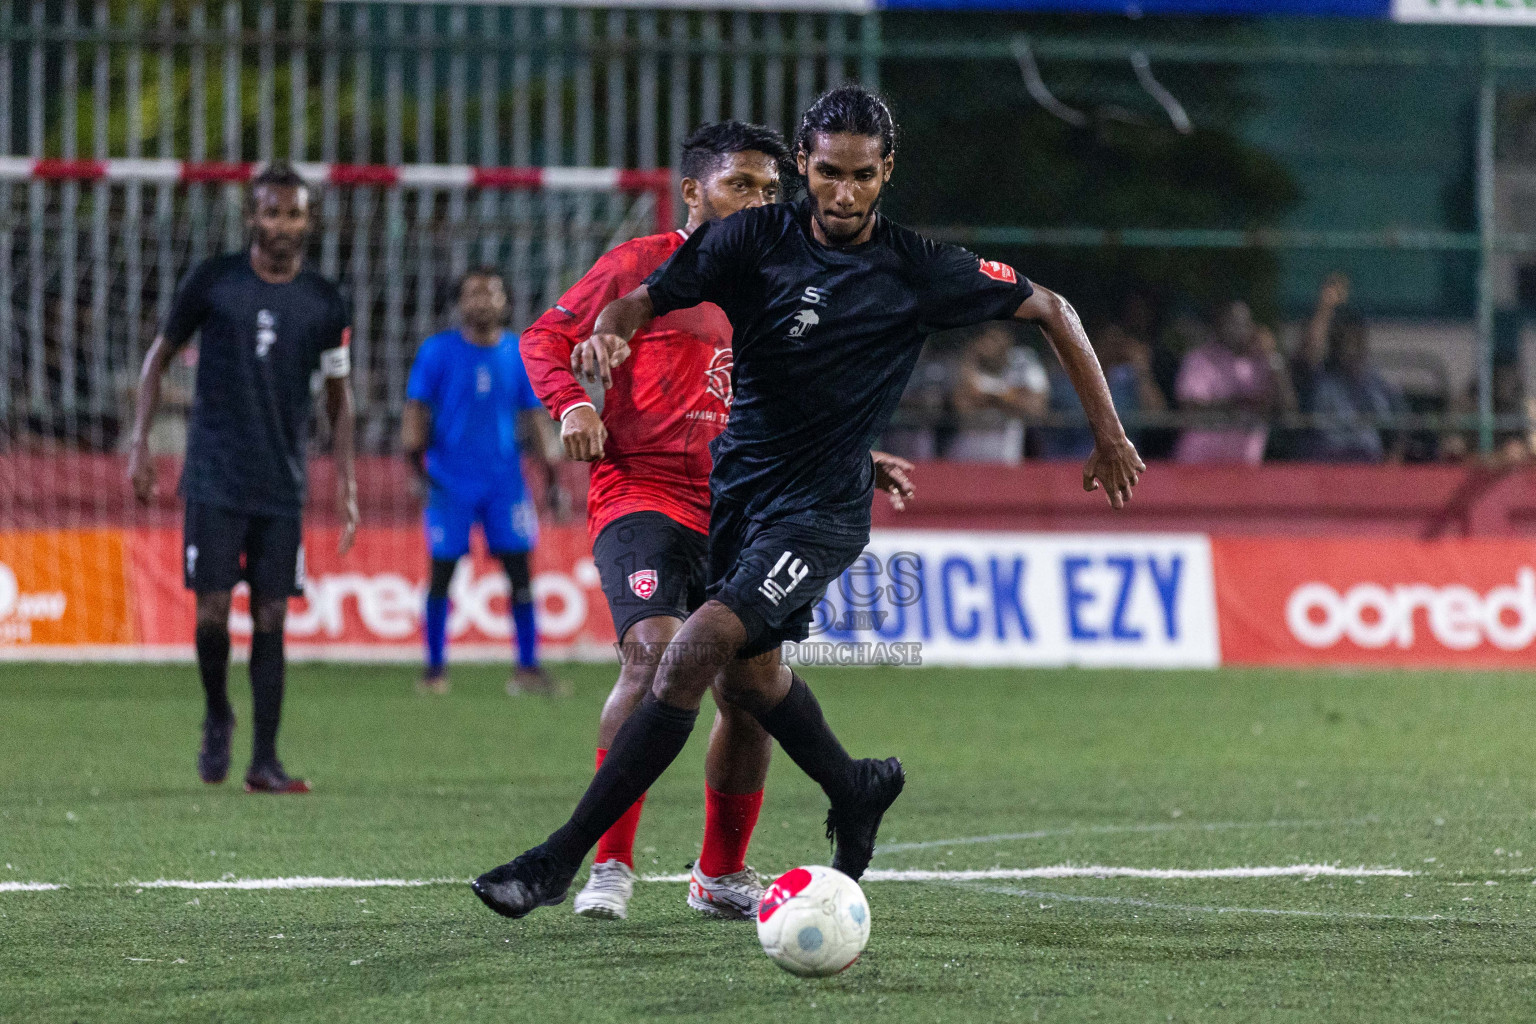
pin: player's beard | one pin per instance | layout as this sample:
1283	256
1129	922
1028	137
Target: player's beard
278	246
843	232
482	322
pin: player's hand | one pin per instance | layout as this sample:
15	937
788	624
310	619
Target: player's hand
141	472
893	476
346	497
594	359
1117	467
582	434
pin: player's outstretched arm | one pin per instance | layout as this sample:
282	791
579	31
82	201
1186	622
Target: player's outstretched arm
594	359
141	466
338	407
1114	463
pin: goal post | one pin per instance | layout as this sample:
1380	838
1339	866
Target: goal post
91	252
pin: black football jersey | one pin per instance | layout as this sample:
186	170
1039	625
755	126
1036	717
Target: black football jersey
824	340
259	349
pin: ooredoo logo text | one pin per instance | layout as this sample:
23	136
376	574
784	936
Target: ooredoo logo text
388	605
19	610
1375	615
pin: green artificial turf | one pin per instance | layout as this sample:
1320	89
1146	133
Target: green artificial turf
1007	769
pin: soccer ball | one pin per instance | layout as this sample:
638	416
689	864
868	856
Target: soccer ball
814	921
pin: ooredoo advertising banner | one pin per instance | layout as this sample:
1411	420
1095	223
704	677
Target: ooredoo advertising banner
1467	603
63	588
368	604
914	597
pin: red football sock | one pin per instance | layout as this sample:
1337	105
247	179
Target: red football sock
618	843
729	819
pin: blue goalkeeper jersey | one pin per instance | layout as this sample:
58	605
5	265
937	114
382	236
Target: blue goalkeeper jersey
475	394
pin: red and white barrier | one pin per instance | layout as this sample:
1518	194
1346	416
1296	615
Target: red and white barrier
185	172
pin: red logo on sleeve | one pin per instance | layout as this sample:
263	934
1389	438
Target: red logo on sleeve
999	271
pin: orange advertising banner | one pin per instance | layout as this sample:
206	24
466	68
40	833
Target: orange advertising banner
63	588
368	603
1358	601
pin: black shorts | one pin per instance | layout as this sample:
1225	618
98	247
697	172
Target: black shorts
650	565
221	547
773	575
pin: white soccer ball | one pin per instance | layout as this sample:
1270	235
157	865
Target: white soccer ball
814	921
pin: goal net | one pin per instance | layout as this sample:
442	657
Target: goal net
91	253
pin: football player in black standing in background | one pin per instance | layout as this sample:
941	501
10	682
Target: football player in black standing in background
829	303
268	323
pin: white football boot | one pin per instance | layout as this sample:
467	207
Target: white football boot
734	897
607	892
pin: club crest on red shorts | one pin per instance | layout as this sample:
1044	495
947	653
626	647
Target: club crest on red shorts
643	583
999	271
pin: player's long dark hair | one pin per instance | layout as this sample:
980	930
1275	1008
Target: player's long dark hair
849	109
706	148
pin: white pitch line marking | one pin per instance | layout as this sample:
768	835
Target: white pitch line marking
301	882
1100	871
1264	911
1153	827
874	875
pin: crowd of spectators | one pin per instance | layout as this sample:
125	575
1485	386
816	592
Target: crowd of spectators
1217	387
1195	386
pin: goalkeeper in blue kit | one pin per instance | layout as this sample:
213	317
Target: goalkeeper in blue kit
467	397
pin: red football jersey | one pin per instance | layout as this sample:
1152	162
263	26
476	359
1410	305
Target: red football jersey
669	399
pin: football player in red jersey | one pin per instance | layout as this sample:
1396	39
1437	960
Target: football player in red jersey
648	502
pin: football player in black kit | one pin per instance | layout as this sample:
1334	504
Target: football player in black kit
268	323
829	304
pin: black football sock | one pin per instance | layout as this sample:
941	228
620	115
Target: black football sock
213	668
266	693
648	741
803	733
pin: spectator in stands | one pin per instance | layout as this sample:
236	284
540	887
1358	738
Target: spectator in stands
1145	324
1349	396
1238	377
1510	446
1127	363
999	385
1316	342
